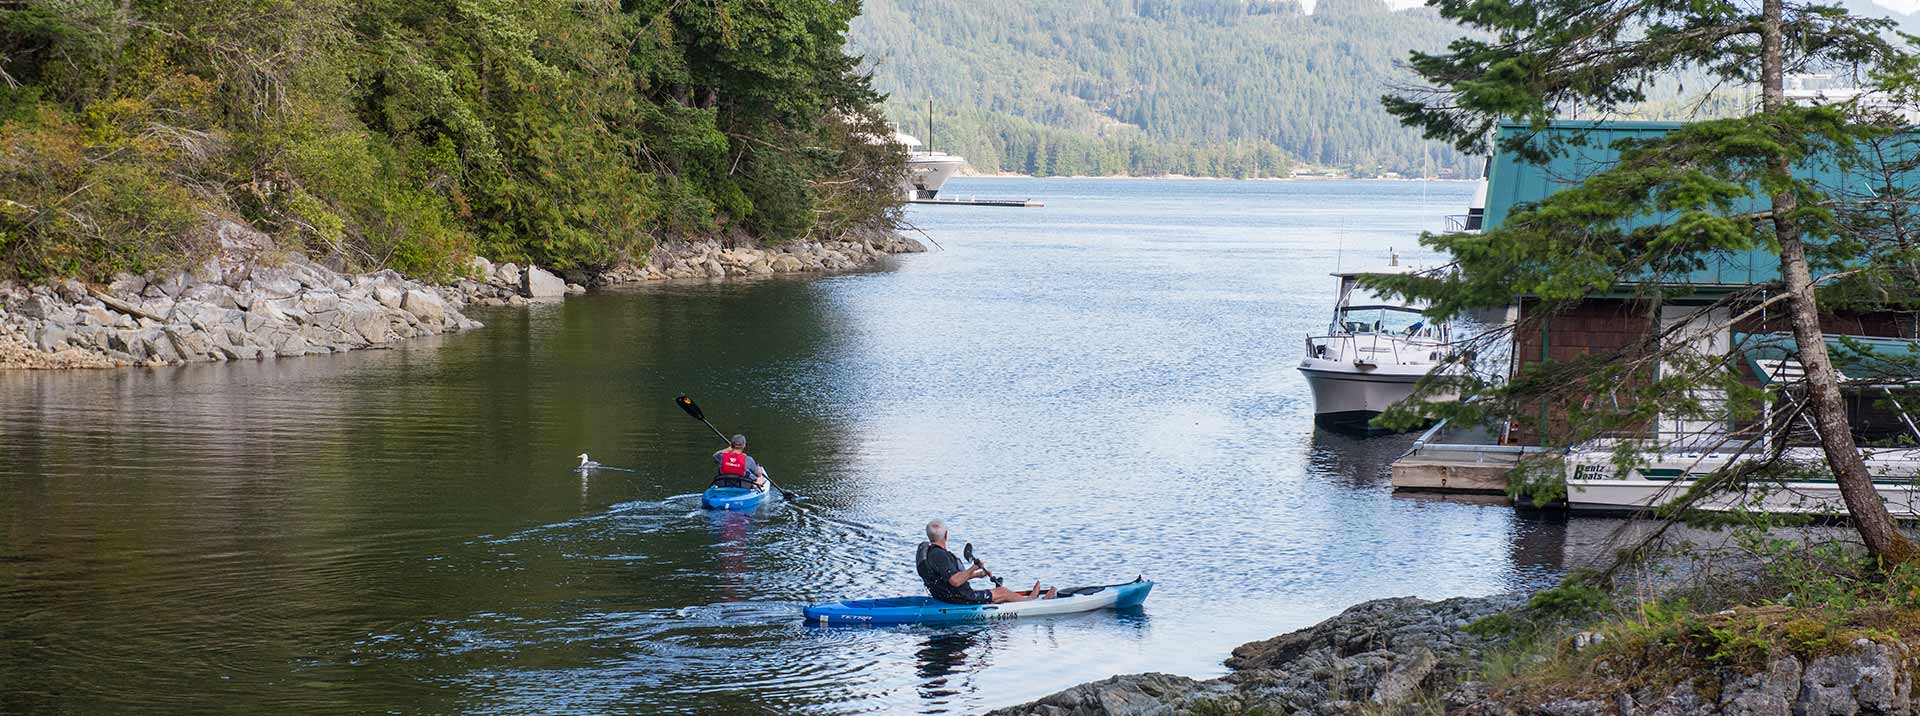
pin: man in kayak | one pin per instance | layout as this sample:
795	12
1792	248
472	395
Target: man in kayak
737	468
946	576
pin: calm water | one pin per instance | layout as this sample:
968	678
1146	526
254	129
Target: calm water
1089	391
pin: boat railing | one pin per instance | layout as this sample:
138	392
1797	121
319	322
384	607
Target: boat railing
1445	441
1351	347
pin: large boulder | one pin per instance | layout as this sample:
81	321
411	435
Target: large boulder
537	283
426	306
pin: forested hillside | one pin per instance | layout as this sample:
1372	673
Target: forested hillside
1208	87
409	133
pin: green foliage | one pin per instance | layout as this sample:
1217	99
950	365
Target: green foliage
410	133
1145	87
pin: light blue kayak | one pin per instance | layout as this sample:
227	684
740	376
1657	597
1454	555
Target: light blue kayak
927	610
732	498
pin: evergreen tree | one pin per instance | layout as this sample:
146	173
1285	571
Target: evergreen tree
1726	185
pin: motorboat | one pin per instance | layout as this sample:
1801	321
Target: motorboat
927	169
1374	352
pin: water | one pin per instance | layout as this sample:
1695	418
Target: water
1089	391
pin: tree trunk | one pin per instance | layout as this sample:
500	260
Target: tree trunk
1824	399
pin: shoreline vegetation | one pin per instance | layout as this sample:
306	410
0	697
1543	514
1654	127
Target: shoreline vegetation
368	145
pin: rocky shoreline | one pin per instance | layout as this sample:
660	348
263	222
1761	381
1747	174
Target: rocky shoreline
251	302
1411	656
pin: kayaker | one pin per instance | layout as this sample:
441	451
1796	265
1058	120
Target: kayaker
737	468
947	576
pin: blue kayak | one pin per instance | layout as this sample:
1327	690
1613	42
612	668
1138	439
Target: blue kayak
927	610
732	498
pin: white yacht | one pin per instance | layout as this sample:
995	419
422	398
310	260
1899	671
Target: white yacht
1373	353
927	169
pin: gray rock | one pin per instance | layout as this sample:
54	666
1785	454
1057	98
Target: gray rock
126	285
168	285
213	294
274	282
47	308
159	346
388	296
51	338
425	306
715	270
1136	695
479	266
1868	678
1769	693
537	283
574	288
206	272
319	301
1403	680
507	275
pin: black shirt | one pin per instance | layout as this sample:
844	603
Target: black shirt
937	565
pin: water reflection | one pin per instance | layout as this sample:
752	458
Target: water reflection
1087	393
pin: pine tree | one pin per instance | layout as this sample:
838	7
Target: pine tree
1725	185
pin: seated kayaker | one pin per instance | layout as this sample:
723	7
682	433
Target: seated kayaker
737	468
947	576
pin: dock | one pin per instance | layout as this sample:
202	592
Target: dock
1457	461
978	201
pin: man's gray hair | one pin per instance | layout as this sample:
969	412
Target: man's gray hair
936	531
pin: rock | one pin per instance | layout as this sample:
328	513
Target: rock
1868	678
51	338
425	306
213	294
205	272
787	264
537	283
1136	695
574	288
714	269
126	285
319	301
1575	707
158	346
507	275
388	296
1769	693
479	266
274	283
48	309
760	268
168	285
1404	679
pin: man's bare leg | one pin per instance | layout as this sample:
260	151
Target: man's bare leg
1002	595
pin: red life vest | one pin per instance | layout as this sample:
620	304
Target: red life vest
733	463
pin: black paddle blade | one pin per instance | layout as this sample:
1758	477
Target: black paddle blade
686	404
968	552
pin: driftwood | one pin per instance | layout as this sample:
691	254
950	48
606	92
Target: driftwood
123	306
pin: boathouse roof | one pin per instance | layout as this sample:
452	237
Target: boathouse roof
1581	148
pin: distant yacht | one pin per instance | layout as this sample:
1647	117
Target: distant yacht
1374	352
927	169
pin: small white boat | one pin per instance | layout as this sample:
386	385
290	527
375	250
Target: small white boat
1373	353
1596	484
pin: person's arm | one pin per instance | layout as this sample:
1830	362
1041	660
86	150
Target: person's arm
960	578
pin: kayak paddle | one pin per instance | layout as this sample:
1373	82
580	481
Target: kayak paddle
967	552
692	409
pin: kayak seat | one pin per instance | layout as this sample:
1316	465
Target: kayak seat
732	481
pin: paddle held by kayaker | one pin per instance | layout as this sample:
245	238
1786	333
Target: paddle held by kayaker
947	576
737	468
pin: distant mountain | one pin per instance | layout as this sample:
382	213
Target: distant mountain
1207	87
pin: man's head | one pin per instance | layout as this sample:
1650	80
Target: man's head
937	532
739	442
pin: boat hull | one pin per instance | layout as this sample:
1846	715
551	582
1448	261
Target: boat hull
927	610
1347	397
732	498
1817	498
927	173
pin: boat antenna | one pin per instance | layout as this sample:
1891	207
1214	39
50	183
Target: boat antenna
929	125
1340	248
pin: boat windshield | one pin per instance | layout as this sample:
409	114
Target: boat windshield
1383	320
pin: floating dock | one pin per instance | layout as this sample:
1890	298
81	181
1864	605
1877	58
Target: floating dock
1468	462
978	201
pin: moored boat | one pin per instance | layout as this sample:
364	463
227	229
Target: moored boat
1374	352
927	610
